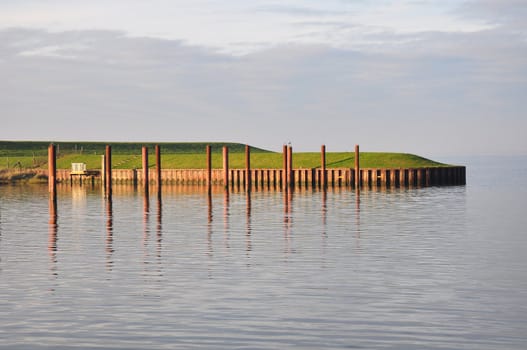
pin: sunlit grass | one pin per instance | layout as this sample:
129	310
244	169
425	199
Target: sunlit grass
191	156
237	161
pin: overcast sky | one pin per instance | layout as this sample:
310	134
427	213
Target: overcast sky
435	78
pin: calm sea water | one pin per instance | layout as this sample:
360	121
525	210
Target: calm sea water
429	268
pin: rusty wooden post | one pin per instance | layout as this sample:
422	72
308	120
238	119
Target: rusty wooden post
145	167
323	175
248	178
52	169
226	167
158	166
290	175
108	170
357	167
209	167
285	163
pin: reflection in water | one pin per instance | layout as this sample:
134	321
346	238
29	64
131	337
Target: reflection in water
109	233
159	190
209	222
78	197
248	223
324	214
226	201
357	216
146	219
159	225
288	219
53	228
324	209
414	280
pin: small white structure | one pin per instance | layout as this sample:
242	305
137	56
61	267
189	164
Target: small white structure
78	169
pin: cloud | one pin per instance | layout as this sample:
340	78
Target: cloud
437	95
240	28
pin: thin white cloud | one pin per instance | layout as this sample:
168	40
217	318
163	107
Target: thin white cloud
240	27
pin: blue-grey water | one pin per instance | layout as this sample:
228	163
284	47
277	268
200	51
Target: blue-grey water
427	268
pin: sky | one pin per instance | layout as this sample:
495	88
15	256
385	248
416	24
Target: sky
435	78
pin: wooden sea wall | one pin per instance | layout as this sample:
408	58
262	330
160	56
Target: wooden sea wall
312	177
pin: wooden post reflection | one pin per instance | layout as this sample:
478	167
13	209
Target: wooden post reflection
324	221
324	207
146	205
146	219
357	215
248	223
209	207
53	228
109	233
209	222
288	198
159	226
226	203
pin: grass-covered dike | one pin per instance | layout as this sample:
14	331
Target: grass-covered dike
33	155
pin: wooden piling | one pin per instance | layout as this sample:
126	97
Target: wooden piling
108	170
145	166
290	175
158	166
52	169
357	167
226	167
209	167
323	175
285	166
248	179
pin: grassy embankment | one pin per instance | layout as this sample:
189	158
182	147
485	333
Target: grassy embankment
18	158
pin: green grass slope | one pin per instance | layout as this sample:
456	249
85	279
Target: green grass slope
191	156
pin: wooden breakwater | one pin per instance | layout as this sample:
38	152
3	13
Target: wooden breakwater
270	178
287	177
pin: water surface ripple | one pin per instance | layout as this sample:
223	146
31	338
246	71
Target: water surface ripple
429	268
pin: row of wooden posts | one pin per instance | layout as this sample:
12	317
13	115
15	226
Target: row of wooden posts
286	177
